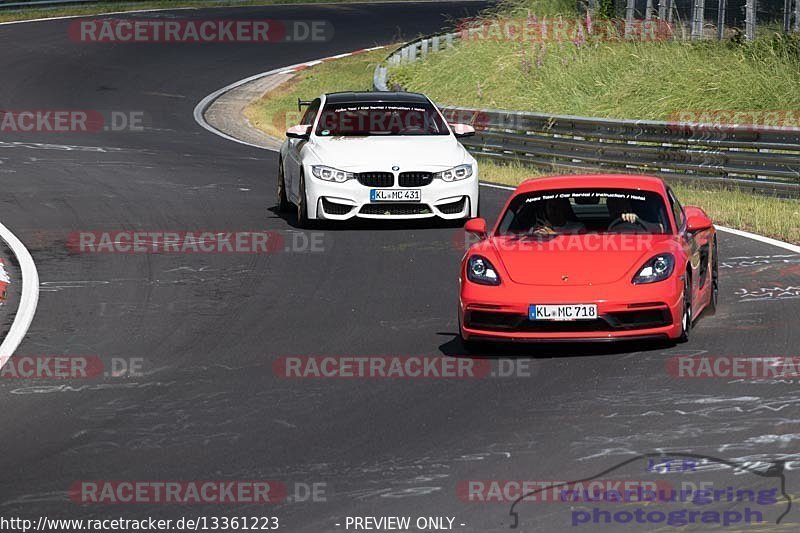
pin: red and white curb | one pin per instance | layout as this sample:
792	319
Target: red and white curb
28	300
4	281
205	103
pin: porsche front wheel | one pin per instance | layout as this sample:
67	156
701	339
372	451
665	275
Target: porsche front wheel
686	315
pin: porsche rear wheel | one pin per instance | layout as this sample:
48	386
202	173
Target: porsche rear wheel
712	304
686	315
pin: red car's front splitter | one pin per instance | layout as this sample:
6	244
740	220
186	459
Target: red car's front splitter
635	313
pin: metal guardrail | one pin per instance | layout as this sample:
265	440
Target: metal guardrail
755	159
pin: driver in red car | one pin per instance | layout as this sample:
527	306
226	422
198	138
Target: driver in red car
621	209
558	218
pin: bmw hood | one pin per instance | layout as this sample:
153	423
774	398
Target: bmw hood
376	153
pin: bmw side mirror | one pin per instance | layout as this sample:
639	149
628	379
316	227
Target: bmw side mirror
476	226
299	132
462	130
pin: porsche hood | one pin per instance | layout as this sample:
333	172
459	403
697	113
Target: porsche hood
576	260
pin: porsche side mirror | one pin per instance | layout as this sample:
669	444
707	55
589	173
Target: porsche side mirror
462	130
476	226
696	219
299	132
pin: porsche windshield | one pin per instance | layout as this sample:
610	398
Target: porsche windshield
585	211
361	119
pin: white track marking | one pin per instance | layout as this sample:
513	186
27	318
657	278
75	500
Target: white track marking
29	299
206	102
496	186
766	240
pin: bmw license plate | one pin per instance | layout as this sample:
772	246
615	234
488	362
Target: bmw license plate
562	312
395	195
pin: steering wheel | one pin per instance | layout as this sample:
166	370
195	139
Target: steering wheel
619	221
411	128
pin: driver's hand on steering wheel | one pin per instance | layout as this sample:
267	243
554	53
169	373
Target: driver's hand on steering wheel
543	230
631	218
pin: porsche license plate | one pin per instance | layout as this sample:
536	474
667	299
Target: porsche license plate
562	312
395	195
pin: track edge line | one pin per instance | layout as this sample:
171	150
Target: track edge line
29	298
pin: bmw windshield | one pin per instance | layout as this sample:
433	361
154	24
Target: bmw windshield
363	119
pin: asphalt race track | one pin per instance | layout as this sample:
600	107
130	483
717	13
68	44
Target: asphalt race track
208	327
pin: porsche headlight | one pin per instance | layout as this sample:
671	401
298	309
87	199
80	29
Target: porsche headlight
331	174
461	172
657	268
480	270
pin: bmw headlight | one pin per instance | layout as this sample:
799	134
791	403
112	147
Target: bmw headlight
331	174
657	268
480	270
461	172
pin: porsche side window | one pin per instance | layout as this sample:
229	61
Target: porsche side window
311	113
677	209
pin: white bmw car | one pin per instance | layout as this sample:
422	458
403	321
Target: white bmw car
376	155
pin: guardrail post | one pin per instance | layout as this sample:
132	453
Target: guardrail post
424	48
379	81
796	15
750	20
449	39
435	45
698	13
630	8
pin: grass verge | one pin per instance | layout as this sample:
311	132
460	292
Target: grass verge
641	80
277	110
772	217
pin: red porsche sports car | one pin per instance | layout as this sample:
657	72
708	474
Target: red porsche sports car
588	258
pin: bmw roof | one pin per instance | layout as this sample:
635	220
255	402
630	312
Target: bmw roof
352	97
